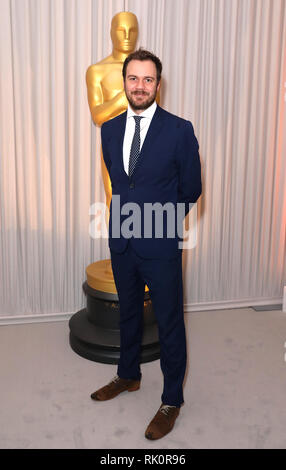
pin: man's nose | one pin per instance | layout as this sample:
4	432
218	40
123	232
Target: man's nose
140	84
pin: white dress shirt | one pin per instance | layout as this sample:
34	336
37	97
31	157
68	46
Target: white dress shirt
147	116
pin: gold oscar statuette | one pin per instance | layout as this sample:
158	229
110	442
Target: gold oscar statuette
94	330
106	99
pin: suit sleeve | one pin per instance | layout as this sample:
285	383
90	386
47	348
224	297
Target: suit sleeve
189	166
105	152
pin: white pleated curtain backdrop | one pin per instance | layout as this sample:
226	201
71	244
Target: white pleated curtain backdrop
224	68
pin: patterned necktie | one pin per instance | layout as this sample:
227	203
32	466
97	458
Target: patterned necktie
135	146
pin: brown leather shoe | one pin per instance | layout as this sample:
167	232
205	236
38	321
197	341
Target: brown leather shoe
115	386
163	422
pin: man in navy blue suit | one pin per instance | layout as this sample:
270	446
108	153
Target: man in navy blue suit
154	166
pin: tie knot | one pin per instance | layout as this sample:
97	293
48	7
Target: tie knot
137	119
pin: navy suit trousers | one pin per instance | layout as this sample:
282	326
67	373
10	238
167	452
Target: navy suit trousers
164	280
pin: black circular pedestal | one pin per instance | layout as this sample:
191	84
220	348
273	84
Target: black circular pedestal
94	330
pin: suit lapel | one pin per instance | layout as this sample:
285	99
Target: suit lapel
120	131
152	134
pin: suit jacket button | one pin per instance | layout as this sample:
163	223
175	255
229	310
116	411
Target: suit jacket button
132	186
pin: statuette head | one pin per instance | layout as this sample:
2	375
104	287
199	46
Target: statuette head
124	32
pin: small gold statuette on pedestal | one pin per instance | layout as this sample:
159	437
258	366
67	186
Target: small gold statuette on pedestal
94	330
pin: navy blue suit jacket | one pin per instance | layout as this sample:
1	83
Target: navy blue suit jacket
168	171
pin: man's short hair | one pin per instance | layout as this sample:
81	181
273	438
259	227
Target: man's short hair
142	54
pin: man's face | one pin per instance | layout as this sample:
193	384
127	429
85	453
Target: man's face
140	84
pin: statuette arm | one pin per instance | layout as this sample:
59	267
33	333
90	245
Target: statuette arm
101	109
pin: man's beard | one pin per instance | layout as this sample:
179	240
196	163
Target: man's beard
143	104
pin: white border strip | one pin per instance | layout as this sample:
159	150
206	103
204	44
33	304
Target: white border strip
227	304
188	308
34	318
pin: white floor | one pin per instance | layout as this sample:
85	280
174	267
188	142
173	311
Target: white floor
234	392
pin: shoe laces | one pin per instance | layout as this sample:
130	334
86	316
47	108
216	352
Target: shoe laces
166	409
115	379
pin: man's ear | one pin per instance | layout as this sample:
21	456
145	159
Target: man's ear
158	94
